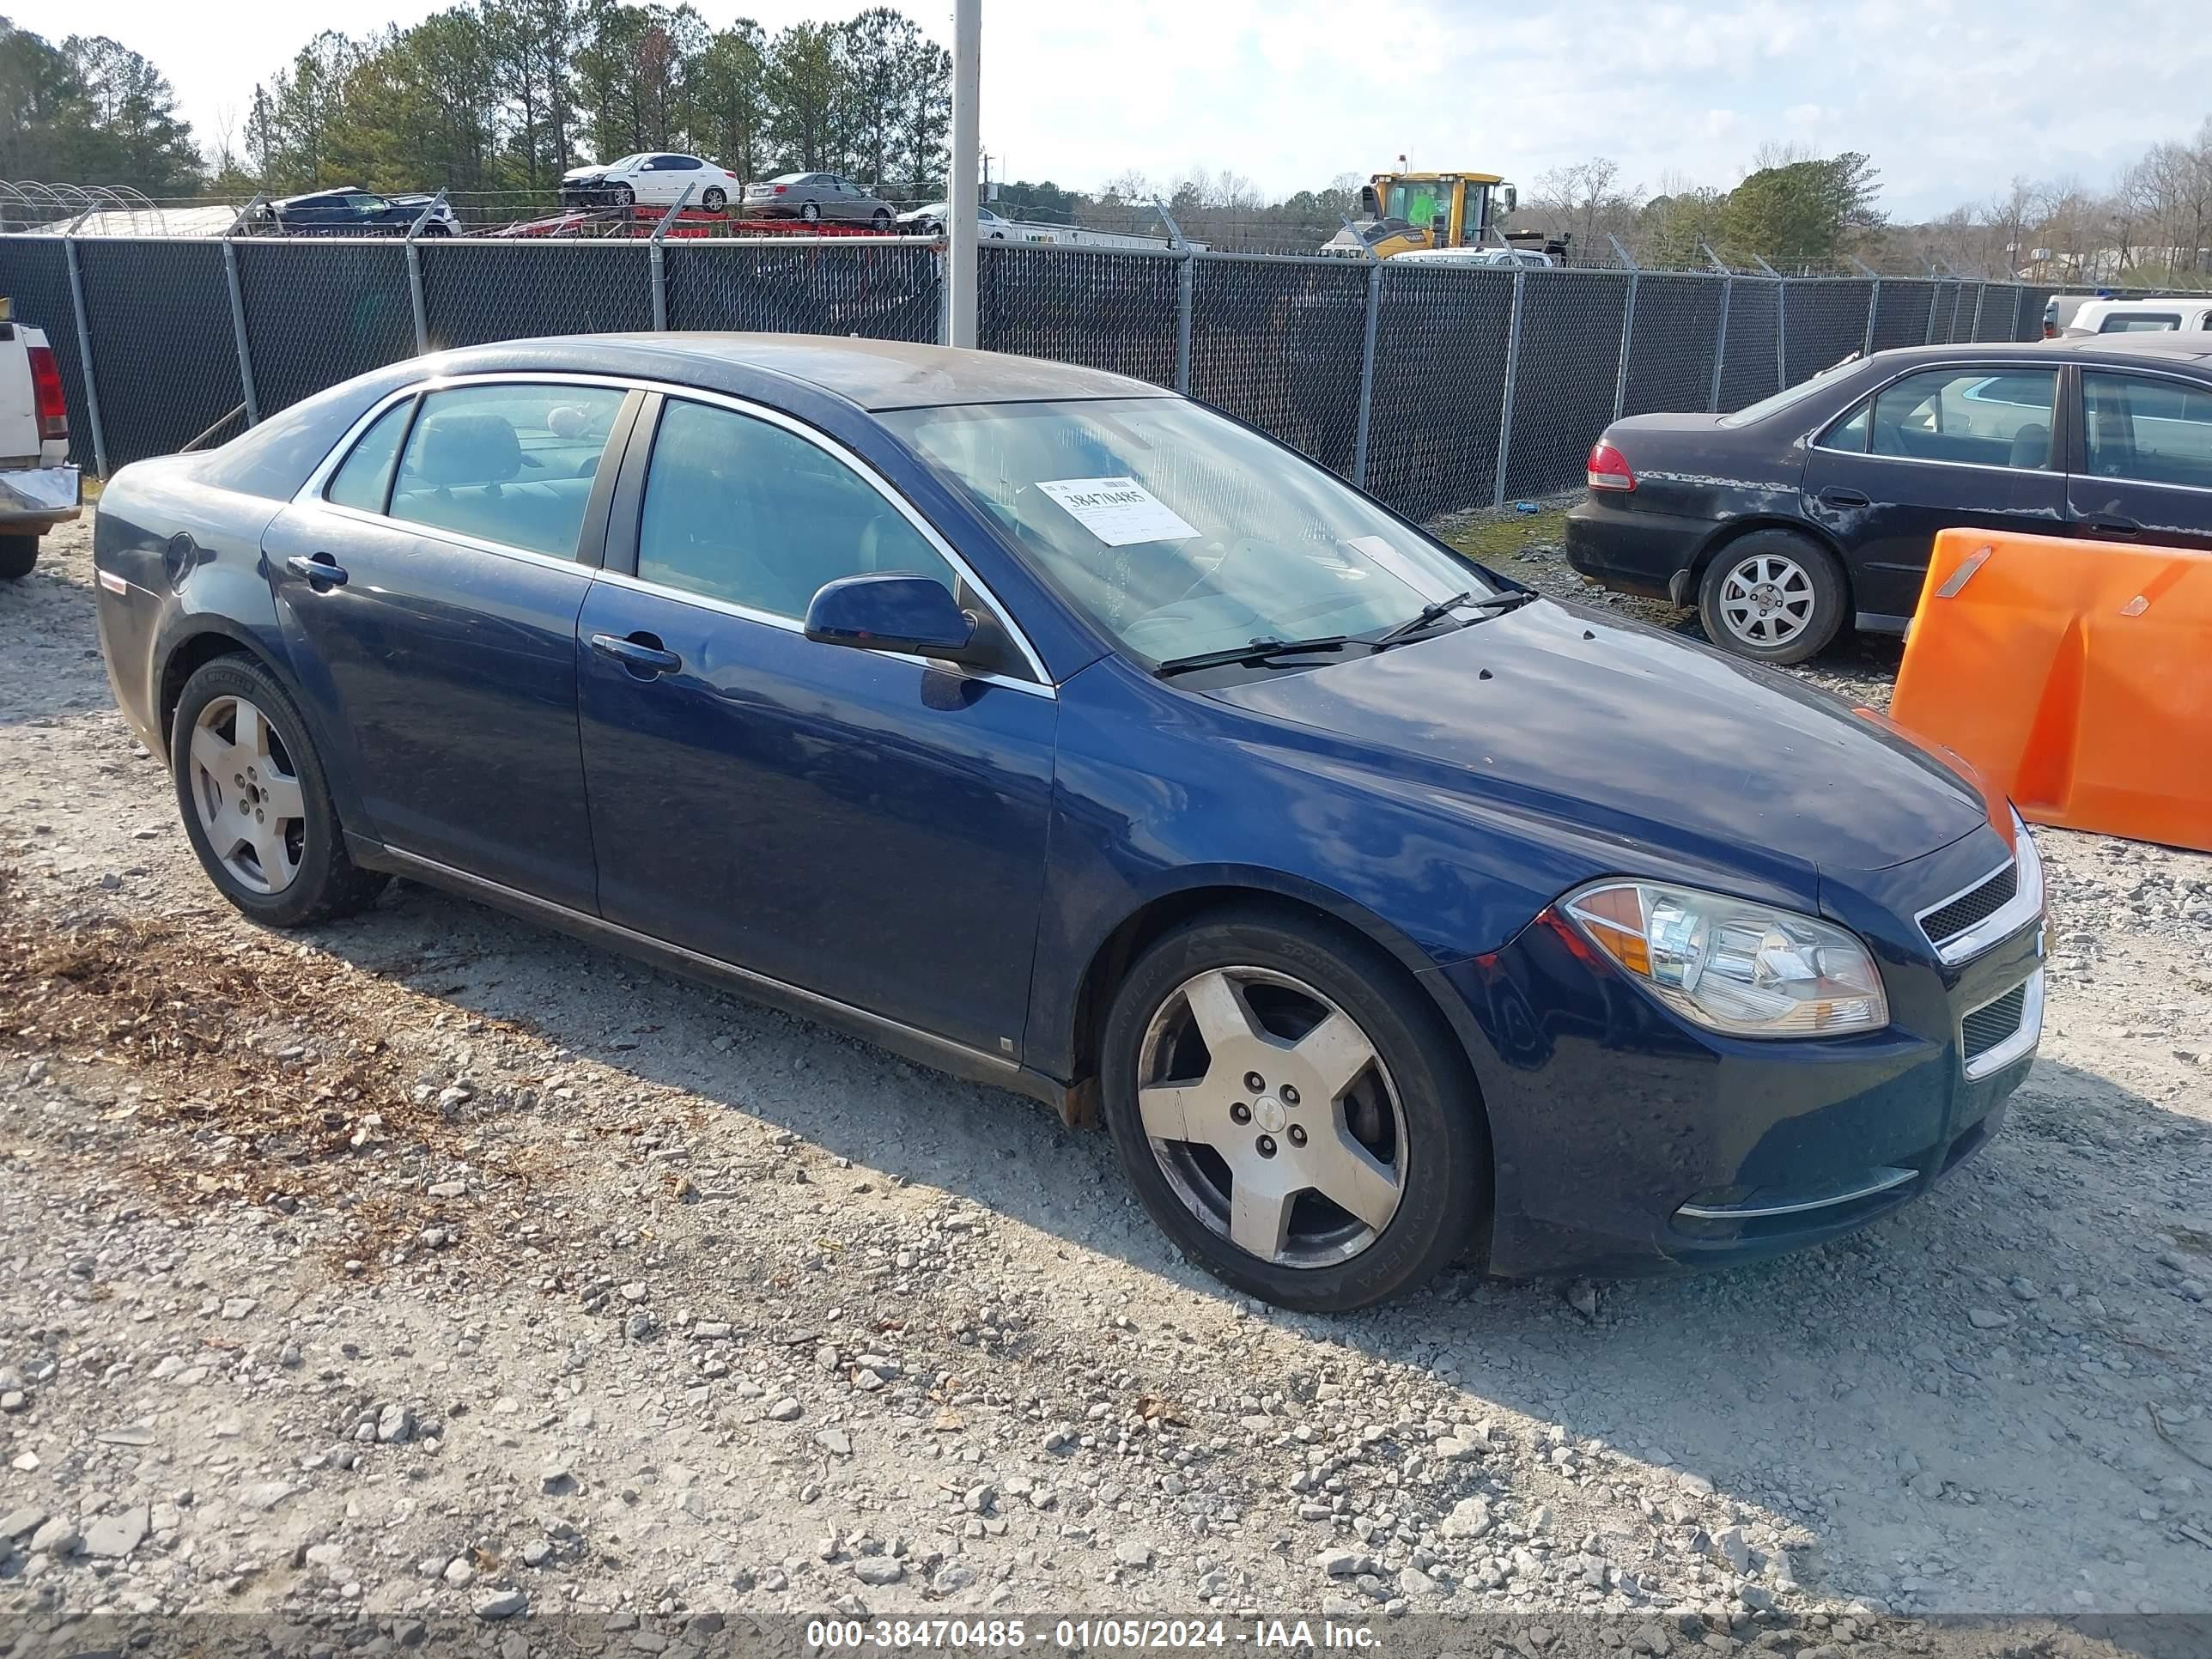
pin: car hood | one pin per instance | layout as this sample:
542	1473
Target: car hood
577	175
1636	739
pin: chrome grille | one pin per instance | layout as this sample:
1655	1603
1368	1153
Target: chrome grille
1976	905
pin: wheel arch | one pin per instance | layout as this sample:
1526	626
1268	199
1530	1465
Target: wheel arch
212	637
1735	530
1206	889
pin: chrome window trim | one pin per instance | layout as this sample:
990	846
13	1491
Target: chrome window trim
310	493
769	619
2021	1041
2025	906
1866	401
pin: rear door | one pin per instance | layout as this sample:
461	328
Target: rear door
1966	446
427	592
867	827
2143	470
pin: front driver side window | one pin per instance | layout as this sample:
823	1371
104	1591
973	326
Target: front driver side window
740	510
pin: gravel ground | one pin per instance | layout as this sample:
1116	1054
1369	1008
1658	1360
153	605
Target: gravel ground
432	1266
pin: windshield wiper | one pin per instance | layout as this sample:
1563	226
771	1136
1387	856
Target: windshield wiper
1430	615
1256	651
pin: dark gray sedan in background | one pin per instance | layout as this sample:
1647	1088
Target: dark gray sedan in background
812	197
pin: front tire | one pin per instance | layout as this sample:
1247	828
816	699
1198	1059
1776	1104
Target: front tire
255	800
17	555
1773	596
1357	1168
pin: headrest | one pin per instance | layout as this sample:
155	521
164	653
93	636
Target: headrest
467	446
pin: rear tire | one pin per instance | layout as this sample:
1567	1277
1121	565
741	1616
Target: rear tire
1773	596
308	876
810	214
715	198
1389	1119
880	220
17	555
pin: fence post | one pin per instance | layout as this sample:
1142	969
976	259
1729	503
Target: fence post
1512	375
1974	330
2019	299
653	259
1367	373
1781	332
237	331
1874	300
1628	327
1935	288
1720	346
1185	294
84	359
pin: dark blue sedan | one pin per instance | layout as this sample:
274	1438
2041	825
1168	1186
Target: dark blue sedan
1061	733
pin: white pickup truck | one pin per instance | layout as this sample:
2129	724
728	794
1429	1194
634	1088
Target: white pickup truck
38	489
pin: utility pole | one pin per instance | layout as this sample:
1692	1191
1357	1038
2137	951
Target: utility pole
962	201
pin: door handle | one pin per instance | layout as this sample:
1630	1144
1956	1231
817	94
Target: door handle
2113	527
643	654
321	570
1840	497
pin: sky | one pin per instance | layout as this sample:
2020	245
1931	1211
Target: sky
1951	97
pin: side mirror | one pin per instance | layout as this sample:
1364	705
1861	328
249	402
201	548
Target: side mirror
1508	199
913	614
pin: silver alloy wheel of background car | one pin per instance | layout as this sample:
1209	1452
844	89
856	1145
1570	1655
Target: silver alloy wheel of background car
1273	1116
1767	599
249	798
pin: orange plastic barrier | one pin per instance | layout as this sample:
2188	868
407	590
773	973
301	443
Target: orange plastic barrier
2076	674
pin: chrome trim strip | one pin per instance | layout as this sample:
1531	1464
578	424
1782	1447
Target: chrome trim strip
311	493
845	1012
1887	1178
769	619
2025	906
2021	1041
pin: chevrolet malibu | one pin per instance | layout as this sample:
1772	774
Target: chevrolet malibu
1057	732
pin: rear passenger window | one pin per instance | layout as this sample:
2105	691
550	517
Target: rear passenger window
362	479
505	463
740	510
2152	431
1975	415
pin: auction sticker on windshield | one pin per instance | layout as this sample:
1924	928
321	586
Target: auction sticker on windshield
1119	512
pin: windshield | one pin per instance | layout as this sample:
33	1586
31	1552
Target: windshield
1788	395
1179	532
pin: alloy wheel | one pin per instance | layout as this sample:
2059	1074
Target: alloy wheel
1273	1116
1767	600
249	795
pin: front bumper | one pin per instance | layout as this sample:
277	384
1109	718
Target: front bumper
35	496
1632	549
1627	1141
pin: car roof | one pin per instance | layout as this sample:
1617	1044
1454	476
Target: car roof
872	375
2193	346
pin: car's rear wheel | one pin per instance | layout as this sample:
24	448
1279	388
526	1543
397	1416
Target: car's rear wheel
880	219
17	555
255	801
1290	1114
713	199
810	214
1773	596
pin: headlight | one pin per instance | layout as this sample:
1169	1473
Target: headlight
1732	964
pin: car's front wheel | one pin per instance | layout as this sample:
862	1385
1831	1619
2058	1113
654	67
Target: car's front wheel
255	801
17	555
1290	1113
1773	596
623	196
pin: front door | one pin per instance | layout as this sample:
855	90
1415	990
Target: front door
2146	466
441	646
867	827
1939	449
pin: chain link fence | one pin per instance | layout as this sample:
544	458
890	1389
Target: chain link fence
1437	388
